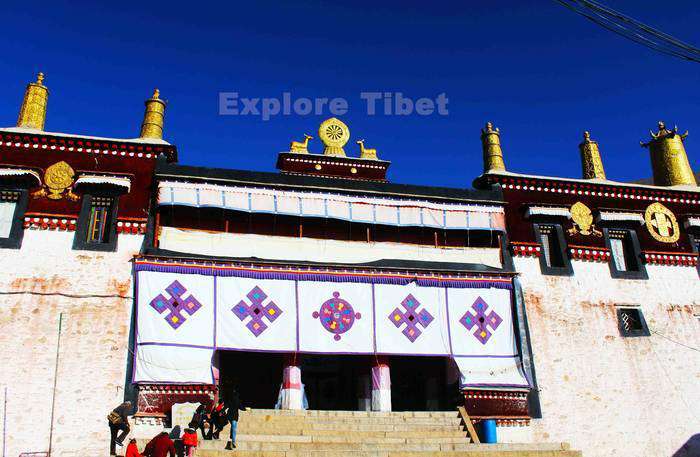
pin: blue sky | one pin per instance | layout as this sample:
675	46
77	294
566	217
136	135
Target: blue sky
539	72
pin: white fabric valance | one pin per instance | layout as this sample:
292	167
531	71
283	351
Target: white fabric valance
118	181
615	216
362	209
692	222
16	172
547	211
182	318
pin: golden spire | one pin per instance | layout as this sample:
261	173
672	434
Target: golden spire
591	162
32	114
152	126
491	145
668	158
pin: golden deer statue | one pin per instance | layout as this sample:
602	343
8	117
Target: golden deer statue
301	146
366	153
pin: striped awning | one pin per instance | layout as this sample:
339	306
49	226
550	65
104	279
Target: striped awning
361	209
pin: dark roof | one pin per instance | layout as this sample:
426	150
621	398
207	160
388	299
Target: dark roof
223	176
393	264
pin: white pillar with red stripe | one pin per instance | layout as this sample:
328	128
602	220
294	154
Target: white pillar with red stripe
381	385
292	396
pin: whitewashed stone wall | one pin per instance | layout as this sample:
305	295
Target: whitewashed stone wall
605	394
94	292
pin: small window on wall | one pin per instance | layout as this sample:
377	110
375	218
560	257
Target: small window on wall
8	205
631	322
625	261
12	206
554	260
96	225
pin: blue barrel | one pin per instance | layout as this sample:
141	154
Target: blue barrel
488	431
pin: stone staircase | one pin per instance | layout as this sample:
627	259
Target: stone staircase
273	433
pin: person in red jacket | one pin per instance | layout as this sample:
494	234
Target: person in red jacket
132	450
160	446
189	441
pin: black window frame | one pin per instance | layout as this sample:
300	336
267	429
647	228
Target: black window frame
14	239
636	254
80	241
563	250
694	239
625	332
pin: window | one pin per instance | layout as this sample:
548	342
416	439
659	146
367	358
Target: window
96	229
625	261
8	205
98	225
13	203
631	322
554	260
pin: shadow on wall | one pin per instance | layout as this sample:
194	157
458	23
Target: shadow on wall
691	448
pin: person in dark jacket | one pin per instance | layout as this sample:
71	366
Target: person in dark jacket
200	418
232	408
160	446
217	419
118	421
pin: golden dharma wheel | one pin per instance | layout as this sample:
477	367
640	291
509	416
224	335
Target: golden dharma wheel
334	134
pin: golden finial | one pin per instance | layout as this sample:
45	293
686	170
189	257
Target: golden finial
491	145
32	114
591	161
366	153
669	160
301	147
334	134
154	117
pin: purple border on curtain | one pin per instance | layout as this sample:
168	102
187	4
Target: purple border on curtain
311	276
449	332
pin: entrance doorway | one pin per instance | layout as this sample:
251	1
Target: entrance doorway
340	382
336	382
423	384
256	375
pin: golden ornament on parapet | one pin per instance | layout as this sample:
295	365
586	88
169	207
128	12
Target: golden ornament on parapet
582	218
334	134
661	223
58	178
301	147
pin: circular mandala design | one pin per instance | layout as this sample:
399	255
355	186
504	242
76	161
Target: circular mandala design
336	315
333	132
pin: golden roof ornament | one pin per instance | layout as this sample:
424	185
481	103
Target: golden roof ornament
582	218
591	161
153	118
491	146
366	153
669	160
661	223
58	179
334	134
32	114
301	147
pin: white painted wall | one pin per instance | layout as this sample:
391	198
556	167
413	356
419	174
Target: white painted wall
605	394
94	292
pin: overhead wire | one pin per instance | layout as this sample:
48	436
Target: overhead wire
632	29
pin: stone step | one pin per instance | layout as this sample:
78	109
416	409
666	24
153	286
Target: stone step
261	446
434	447
454	432
300	428
334	413
256	419
480	451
